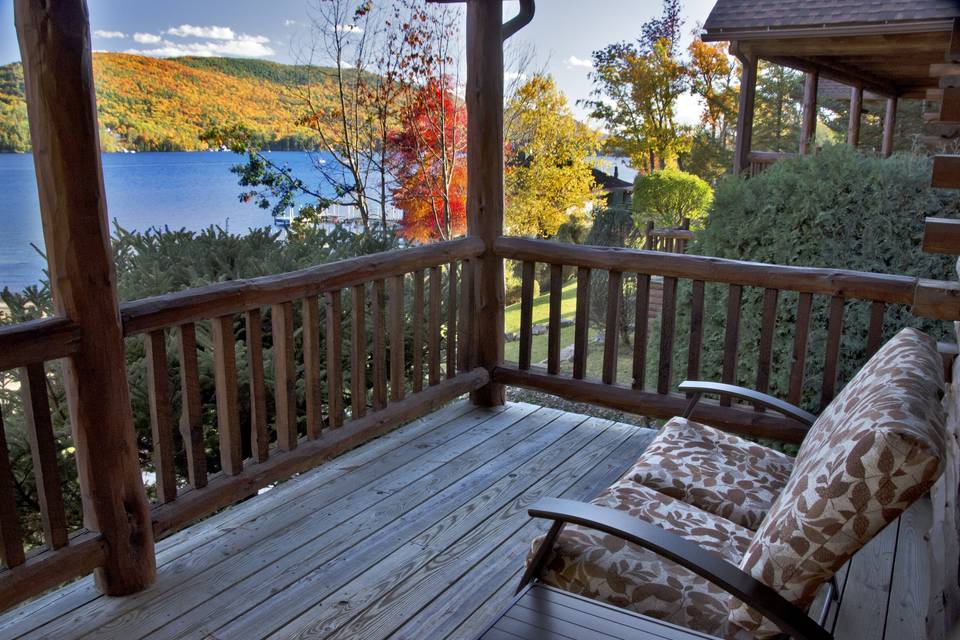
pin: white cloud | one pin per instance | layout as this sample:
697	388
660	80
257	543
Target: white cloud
574	61
146	38
212	32
289	23
349	28
100	33
513	75
243	46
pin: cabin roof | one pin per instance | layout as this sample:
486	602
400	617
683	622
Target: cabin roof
609	182
885	46
821	15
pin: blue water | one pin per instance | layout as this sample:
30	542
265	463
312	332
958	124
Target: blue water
177	190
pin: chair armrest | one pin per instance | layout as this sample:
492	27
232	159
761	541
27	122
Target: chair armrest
788	617
699	387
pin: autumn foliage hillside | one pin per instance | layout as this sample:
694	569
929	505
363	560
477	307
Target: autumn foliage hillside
150	104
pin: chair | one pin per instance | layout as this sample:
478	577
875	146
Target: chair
722	535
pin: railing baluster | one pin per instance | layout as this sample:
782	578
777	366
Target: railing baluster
43	449
834	336
466	316
379	348
581	329
767	325
553	336
641	329
11	535
416	320
433	326
875	333
311	366
802	330
358	353
731	339
611	330
259	436
284	373
161	425
668	324
396	339
334	313
228	410
191	413
695	346
526	314
452	320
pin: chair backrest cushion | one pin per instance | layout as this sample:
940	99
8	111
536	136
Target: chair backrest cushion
872	452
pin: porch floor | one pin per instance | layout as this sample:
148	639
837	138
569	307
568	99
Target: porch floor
418	534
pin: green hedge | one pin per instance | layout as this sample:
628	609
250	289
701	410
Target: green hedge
838	208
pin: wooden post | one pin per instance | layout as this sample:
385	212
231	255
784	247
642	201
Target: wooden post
889	125
484	98
748	86
808	128
58	77
856	111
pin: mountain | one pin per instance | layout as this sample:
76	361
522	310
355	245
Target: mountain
153	104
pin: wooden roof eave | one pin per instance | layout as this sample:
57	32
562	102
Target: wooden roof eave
824	31
833	51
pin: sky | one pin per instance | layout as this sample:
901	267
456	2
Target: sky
562	35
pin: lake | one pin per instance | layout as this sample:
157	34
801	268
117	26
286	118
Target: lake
191	190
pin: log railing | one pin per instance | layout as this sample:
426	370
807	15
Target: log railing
760	161
671	240
27	349
409	369
654	398
418	304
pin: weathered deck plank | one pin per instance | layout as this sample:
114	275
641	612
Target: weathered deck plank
420	533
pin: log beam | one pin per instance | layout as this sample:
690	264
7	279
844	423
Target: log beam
484	98
748	85
808	128
58	77
889	125
856	111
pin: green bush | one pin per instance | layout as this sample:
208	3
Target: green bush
668	196
839	209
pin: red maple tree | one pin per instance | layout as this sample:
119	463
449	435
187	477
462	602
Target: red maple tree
428	160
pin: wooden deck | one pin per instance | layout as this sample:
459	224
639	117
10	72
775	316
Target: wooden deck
419	534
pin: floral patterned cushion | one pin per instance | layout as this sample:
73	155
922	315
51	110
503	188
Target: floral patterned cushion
604	567
873	451
715	471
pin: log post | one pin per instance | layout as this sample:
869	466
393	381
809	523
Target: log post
484	98
58	76
748	86
808	128
889	125
856	111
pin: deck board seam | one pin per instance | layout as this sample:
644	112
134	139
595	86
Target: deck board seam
385	596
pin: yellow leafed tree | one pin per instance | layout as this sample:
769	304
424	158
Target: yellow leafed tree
549	177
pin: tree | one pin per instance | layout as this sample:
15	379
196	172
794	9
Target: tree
428	158
669	196
548	177
636	86
713	78
776	120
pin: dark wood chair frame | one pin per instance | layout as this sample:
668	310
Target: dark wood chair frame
792	620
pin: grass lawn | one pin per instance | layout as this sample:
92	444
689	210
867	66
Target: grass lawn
568	309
